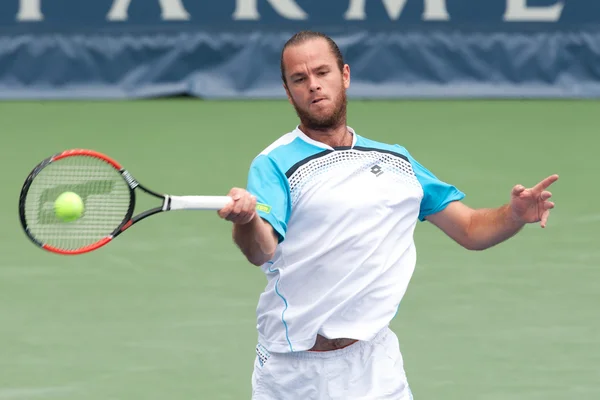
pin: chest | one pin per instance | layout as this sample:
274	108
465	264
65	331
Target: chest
356	182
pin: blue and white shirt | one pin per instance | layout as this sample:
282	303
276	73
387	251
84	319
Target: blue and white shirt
345	218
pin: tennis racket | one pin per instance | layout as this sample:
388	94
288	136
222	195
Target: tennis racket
108	192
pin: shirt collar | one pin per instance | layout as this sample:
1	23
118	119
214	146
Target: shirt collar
322	145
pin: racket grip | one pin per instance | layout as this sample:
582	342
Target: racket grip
199	202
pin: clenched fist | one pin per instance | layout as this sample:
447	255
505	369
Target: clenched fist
243	208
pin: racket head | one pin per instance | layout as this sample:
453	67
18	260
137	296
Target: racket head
107	192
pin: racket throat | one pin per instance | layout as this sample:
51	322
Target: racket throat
129	179
167	203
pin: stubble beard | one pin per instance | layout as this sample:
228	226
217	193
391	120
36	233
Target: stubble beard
324	122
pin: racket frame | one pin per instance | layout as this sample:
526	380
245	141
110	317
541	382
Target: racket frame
129	218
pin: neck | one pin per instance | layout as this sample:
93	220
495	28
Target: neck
338	136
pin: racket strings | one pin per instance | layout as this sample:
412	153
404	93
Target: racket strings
105	194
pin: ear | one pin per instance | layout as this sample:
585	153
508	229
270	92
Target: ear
346	76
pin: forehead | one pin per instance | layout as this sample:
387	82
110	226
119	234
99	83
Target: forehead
308	54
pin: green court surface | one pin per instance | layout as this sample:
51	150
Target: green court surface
167	311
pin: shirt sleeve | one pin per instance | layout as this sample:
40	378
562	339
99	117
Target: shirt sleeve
436	193
271	188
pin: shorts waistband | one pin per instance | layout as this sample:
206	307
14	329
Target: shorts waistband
356	346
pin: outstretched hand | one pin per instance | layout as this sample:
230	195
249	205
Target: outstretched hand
532	205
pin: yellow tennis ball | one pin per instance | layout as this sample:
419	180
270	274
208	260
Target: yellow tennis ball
68	207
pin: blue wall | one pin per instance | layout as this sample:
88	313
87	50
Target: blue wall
231	48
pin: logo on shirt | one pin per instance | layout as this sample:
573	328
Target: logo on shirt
263	207
376	170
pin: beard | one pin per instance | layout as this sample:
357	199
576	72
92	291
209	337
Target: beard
324	121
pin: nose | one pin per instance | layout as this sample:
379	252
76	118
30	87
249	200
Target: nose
315	85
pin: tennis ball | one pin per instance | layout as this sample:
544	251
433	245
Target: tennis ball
68	207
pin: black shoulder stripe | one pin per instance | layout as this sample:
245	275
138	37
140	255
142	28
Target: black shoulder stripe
360	148
300	163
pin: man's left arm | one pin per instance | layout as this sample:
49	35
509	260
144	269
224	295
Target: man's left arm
480	229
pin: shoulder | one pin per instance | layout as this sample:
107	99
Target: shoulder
280	143
397	150
363	143
285	152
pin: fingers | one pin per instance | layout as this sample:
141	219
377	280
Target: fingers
544	219
547	206
235	195
539	188
545	183
242	209
545	195
517	190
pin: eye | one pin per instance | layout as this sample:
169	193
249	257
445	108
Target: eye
323	73
298	80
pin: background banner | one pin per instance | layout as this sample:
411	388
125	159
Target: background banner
231	48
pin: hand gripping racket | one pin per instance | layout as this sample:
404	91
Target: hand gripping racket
108	192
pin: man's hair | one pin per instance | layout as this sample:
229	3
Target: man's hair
305	36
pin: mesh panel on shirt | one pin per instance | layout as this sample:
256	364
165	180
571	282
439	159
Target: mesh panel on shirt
357	161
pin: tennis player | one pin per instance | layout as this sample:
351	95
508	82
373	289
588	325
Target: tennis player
329	216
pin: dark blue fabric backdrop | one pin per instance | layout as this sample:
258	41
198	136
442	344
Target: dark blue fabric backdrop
231	48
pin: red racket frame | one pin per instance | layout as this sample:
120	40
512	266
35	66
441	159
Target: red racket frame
127	222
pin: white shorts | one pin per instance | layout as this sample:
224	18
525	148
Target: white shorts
372	370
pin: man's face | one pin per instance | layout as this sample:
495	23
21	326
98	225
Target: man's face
315	85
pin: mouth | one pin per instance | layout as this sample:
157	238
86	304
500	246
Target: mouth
320	99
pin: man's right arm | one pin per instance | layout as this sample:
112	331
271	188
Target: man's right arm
255	237
257	240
